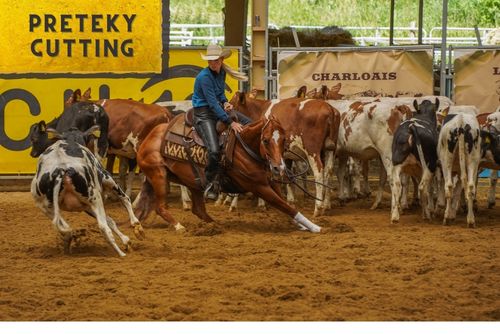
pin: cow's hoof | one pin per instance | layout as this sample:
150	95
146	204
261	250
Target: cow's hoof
448	221
128	247
471	225
394	221
491	205
139	232
319	212
77	236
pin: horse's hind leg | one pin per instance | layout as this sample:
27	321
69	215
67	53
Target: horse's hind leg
158	180
198	206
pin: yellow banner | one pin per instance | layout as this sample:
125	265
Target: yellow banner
24	102
477	78
91	36
357	73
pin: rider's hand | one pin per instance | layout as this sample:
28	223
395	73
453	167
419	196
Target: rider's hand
228	106
237	127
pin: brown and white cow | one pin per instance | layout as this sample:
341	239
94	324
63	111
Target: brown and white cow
311	128
366	130
365	133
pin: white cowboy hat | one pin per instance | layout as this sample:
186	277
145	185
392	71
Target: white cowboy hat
214	52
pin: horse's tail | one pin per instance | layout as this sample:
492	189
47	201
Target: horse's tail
144	203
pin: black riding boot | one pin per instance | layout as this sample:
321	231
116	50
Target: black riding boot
212	173
205	126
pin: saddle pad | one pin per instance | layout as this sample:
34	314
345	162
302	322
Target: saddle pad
174	148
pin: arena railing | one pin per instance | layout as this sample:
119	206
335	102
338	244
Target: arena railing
202	34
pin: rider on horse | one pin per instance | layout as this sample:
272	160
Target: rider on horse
211	105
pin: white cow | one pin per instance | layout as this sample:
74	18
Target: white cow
459	150
70	178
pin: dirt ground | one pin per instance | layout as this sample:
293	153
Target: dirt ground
252	265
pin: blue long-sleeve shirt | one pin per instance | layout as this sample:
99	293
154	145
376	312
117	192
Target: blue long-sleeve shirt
209	91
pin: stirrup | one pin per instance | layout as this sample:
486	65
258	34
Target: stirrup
211	192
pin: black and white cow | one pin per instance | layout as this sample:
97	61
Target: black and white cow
459	151
70	178
81	115
414	152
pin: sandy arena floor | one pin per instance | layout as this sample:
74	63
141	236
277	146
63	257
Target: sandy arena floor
252	265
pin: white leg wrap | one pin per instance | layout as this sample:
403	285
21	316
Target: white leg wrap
301	220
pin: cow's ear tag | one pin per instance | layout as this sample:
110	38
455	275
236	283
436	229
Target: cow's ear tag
487	140
51	135
96	133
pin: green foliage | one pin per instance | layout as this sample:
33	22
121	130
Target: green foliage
344	13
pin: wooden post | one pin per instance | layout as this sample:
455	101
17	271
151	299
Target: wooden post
235	22
258	55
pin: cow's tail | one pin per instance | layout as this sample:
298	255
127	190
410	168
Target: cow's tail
144	203
418	144
461	152
56	221
333	129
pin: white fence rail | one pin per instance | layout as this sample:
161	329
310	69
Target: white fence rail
203	34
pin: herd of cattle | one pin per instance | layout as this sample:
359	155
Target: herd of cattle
427	140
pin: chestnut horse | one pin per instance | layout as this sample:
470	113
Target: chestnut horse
260	150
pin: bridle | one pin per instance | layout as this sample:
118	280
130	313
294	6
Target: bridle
291	178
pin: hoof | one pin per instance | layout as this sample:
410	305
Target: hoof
315	229
471	225
76	236
448	221
374	206
139	232
128	247
394	221
302	228
179	228
491	205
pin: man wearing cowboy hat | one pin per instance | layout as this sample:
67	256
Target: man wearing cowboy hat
210	105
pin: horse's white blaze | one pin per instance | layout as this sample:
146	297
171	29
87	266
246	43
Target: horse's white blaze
276	136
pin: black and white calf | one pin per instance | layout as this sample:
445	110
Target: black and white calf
459	151
81	115
70	178
414	153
